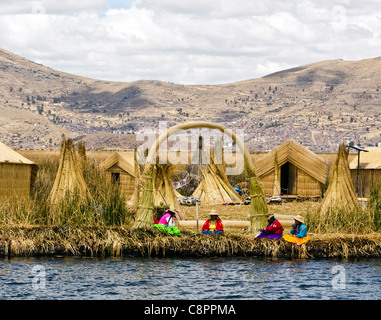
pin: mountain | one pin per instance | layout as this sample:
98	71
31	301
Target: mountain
320	105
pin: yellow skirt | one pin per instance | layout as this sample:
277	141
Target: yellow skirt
296	240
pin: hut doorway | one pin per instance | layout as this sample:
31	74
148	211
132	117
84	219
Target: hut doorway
288	179
115	178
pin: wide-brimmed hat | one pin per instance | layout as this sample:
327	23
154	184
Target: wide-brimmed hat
171	211
299	218
213	213
270	215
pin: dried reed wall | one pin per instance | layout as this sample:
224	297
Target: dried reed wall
366	179
126	181
15	179
302	184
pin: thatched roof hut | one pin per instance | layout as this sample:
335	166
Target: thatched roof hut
120	167
123	169
292	169
370	170
341	193
69	177
17	173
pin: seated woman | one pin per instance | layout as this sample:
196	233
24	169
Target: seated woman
274	229
168	218
167	223
213	225
298	232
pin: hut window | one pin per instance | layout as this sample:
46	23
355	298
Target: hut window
115	177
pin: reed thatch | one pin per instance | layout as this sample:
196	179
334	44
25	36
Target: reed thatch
164	193
69	177
17	173
81	149
215	187
370	170
258	206
341	193
292	169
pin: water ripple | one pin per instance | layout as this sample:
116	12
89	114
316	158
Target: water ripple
186	279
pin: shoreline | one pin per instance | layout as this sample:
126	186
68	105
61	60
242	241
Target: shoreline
92	241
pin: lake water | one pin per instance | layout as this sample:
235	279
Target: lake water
188	279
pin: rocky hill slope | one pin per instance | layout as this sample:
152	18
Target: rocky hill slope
320	105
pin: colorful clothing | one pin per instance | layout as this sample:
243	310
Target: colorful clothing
167	220
296	240
218	226
264	235
298	235
171	230
211	232
299	231
274	228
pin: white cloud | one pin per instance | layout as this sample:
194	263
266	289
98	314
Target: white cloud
188	41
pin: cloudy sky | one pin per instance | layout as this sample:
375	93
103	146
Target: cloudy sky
188	41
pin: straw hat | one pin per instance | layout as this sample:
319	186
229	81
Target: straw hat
213	213
271	215
299	218
171	211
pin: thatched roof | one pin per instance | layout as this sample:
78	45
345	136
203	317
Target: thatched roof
124	160
368	160
341	193
293	152
69	176
8	155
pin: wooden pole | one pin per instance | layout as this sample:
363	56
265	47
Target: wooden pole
197	215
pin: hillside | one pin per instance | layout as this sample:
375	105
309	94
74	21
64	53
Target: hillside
320	105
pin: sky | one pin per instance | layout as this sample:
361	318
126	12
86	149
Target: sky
188	41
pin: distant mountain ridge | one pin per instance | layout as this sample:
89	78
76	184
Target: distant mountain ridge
320	105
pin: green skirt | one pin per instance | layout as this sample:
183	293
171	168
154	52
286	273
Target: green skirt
171	230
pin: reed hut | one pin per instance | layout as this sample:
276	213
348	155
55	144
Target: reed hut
69	177
370	170
213	188
292	170
341	193
121	170
17	173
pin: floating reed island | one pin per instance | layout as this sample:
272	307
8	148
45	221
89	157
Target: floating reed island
27	241
78	208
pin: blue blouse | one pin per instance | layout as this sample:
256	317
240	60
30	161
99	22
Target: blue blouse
299	231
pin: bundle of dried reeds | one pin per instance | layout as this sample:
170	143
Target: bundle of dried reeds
69	177
163	186
81	150
341	193
144	214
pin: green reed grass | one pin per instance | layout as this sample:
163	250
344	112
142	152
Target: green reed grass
337	220
374	205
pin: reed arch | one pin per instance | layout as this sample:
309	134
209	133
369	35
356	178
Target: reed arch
258	205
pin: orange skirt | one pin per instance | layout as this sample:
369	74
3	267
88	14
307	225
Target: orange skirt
296	240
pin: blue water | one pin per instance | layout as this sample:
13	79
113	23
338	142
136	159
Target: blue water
188	279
